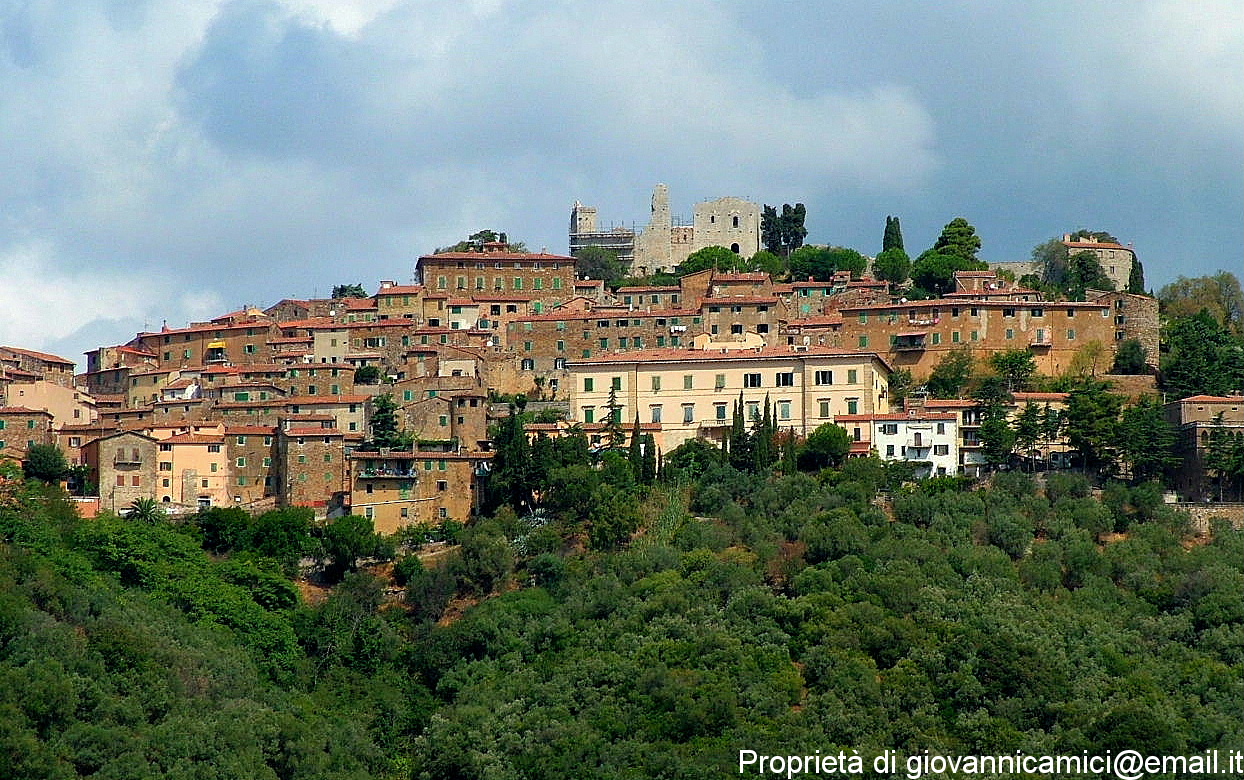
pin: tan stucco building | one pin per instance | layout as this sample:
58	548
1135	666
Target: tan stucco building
691	392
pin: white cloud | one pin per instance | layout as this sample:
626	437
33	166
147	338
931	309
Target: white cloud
45	304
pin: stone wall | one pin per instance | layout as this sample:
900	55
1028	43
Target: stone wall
1203	514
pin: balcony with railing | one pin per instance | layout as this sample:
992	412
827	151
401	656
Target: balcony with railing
910	341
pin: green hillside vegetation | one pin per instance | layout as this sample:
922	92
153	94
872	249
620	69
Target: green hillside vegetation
712	610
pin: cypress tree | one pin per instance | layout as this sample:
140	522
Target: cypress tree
648	469
762	439
740	451
893	237
1136	278
635	453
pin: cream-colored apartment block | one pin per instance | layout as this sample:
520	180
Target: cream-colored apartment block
691	392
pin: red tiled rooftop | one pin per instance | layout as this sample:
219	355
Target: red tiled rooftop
821	319
1208	399
254	430
44	356
735	300
401	289
311	400
313	323
676	355
1040	396
136	351
895	416
194	438
657	289
494	256
201	327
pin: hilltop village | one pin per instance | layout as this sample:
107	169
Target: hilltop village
381	405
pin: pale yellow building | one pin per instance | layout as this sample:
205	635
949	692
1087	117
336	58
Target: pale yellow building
690	392
192	465
67	405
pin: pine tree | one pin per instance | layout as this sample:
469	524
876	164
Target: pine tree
893	238
613	422
385	429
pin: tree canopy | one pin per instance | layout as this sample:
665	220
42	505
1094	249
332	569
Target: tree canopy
783	233
893	236
955	250
820	263
1219	294
1203	357
348	291
476	240
46	462
893	265
596	262
717	257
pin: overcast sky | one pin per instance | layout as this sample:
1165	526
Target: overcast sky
175	159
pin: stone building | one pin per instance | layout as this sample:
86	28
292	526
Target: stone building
1115	259
666	241
418	487
22	427
916	335
124	465
251	452
311	465
496	269
1198	420
50	368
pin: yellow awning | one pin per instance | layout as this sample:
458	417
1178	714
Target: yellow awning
216	345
